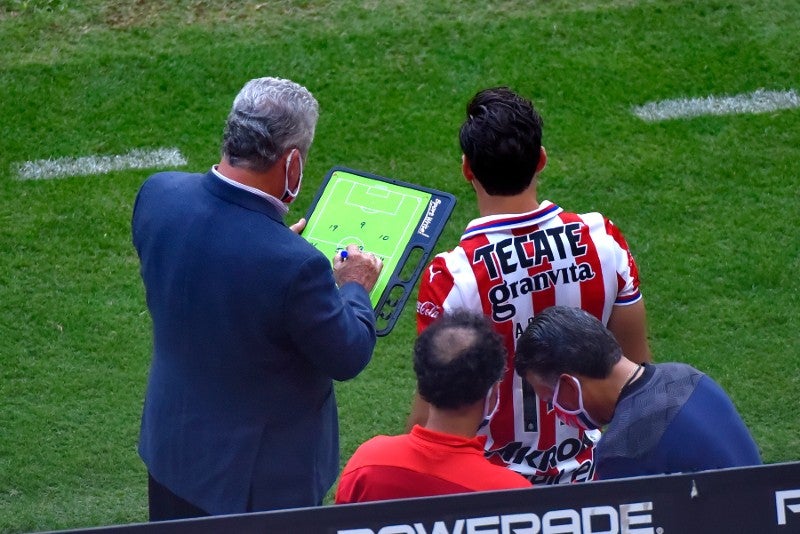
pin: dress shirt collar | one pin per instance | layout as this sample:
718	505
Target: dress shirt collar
282	208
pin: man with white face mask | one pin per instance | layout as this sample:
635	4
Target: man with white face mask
251	323
459	362
661	418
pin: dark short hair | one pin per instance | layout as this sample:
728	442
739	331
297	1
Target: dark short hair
562	339
457	359
502	140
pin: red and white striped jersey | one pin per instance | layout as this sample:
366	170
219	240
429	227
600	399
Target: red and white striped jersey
511	267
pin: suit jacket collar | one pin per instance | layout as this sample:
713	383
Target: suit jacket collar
240	197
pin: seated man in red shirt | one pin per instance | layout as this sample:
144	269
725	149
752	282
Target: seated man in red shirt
459	361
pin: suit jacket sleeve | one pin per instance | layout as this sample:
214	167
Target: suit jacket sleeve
333	328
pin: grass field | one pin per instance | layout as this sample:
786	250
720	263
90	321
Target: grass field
710	205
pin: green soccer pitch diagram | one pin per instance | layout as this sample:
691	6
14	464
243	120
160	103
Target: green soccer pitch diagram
397	221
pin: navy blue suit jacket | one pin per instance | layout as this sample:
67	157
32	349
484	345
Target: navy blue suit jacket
249	330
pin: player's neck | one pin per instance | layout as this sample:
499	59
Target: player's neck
498	205
457	422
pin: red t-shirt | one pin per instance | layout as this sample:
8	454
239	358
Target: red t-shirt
421	464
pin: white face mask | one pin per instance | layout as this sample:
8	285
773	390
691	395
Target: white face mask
579	418
289	195
487	415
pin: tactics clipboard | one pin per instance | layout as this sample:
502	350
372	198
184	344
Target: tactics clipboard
397	221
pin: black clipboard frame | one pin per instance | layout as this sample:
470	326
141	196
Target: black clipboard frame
429	227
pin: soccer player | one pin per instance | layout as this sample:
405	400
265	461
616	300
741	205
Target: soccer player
459	362
518	258
662	418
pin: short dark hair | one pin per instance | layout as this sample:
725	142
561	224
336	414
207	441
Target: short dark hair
562	339
457	359
502	140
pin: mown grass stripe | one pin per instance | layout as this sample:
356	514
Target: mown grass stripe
760	101
45	169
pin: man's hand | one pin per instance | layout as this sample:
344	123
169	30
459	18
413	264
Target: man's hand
298	226
360	267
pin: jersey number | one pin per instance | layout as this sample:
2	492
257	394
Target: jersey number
530	407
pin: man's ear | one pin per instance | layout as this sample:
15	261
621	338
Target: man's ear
495	395
568	392
542	160
292	162
466	170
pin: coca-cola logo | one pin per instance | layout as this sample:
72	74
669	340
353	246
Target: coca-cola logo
428	309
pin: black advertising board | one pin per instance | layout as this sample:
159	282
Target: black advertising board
763	499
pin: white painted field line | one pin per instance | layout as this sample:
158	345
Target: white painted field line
45	169
759	101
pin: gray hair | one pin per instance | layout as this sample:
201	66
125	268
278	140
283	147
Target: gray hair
269	116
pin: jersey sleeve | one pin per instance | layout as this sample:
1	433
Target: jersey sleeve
627	271
435	286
